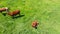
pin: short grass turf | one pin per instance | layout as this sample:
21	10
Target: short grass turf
46	12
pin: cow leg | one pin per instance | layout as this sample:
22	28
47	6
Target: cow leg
1	11
19	13
13	16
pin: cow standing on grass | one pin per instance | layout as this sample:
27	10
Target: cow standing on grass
35	24
14	13
3	9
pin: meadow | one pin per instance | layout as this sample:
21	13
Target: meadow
46	12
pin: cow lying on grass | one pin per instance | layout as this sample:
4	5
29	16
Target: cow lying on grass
14	13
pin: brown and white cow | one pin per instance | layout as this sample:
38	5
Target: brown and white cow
3	9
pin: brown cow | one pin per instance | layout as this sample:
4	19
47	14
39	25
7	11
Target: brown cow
34	24
14	13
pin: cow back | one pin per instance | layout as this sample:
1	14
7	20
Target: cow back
16	12
2	9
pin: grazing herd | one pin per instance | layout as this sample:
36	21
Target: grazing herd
14	13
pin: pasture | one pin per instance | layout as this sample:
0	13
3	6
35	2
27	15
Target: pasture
46	12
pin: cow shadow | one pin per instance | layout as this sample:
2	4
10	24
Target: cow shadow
35	27
4	14
18	16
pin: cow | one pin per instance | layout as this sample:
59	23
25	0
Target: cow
3	9
35	24
14	13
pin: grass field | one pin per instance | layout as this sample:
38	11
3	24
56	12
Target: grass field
46	12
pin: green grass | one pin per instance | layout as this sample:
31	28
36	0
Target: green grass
46	12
